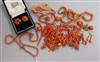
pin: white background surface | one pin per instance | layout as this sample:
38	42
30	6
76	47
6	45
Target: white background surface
86	53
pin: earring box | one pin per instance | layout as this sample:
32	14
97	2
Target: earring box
19	15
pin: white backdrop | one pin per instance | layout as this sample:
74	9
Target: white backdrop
86	53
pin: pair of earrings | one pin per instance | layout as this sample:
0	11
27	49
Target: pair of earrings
17	21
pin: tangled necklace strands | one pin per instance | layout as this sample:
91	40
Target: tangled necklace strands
43	7
21	44
73	16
